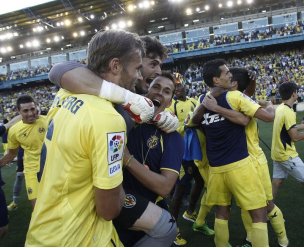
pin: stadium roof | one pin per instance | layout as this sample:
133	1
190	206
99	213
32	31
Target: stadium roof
70	23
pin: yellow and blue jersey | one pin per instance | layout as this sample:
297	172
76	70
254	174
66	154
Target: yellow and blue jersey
282	147
226	141
156	149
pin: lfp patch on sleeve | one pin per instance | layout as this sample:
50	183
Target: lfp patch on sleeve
116	144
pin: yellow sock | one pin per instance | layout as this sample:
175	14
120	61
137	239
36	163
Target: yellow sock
203	211
221	238
247	222
259	235
277	222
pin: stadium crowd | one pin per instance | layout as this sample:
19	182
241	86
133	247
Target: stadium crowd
242	36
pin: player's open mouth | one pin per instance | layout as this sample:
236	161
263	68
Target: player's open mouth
156	102
149	81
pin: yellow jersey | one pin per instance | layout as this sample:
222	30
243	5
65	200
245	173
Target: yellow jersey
30	137
84	146
282	147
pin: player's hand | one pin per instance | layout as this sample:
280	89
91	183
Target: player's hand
3	231
140	108
210	103
166	121
252	75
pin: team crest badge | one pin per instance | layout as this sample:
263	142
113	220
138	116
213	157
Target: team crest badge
130	201
152	142
41	129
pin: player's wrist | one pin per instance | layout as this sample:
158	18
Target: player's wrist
113	92
127	164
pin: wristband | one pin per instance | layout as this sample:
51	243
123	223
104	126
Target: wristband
113	92
128	161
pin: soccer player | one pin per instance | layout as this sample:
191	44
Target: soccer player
81	186
77	78
29	135
286	160
231	168
152	167
244	81
181	106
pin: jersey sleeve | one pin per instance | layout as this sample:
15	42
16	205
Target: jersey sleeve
12	142
242	103
172	154
59	69
106	142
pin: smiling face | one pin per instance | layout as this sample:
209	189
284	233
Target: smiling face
29	112
161	91
150	70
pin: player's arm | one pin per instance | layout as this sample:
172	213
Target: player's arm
11	154
234	116
294	133
161	184
13	121
198	115
109	202
78	79
266	113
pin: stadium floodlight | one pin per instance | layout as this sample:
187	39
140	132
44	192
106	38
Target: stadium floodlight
9	49
48	40
92	16
35	43
196	20
107	28
82	33
239	2
129	23
58	24
175	1
56	38
80	19
229	4
114	26
131	8
188	11
249	1
207	7
220	5
121	24
160	27
67	22
186	25
28	44
3	50
21	46
75	34
149	31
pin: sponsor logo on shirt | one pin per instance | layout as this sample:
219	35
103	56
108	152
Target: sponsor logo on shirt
212	118
114	169
116	143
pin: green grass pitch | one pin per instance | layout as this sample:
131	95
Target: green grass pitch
290	199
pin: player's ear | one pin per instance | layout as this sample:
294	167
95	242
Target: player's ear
115	66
